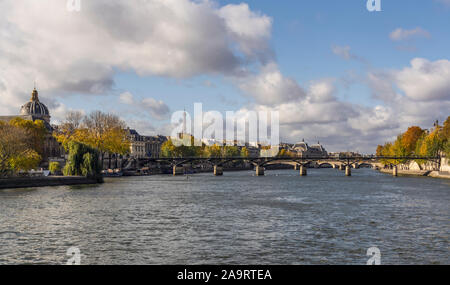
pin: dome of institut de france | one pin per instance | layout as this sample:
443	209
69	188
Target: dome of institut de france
35	108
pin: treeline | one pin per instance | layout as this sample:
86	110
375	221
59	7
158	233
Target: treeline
21	145
172	148
418	142
188	146
88	138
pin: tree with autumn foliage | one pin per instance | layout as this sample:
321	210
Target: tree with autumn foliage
213	151
418	142
102	131
36	132
379	151
244	152
16	149
446	136
410	137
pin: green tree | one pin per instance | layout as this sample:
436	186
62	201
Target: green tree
244	152
54	167
231	151
27	160
168	149
398	149
214	151
432	143
82	160
387	151
446	137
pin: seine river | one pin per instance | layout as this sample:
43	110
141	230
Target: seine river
282	218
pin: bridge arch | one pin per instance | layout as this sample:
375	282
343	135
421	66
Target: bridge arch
281	162
323	164
366	164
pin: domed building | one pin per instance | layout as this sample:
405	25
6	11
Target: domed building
35	110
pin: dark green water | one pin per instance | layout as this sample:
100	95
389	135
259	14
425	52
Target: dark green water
282	218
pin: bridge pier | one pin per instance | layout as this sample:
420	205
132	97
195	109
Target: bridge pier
395	171
296	167
178	170
218	171
348	170
259	170
341	167
303	171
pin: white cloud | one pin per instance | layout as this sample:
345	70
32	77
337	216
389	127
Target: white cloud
126	98
269	86
342	126
345	53
250	30
158	109
79	52
321	116
59	112
342	51
143	127
423	81
381	84
401	34
322	91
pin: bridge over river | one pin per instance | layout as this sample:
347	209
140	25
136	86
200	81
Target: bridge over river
299	163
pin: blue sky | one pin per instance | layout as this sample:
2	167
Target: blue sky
304	43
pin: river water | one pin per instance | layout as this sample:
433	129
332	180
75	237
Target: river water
281	218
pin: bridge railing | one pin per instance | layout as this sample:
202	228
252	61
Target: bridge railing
362	157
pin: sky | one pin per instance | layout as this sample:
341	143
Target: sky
335	72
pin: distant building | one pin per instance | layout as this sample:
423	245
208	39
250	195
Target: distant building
144	146
253	151
35	110
302	149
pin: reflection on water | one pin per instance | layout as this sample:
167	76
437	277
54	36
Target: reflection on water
282	218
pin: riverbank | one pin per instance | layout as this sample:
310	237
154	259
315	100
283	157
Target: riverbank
27	182
428	173
439	174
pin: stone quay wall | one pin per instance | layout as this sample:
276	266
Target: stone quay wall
27	182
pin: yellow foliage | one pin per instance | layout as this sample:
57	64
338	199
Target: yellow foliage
27	160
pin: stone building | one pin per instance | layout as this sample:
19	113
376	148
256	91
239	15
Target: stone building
35	110
302	149
144	146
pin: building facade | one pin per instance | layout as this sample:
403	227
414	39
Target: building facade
302	149
145	146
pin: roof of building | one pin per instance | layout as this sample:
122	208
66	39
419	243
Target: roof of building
34	107
302	145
